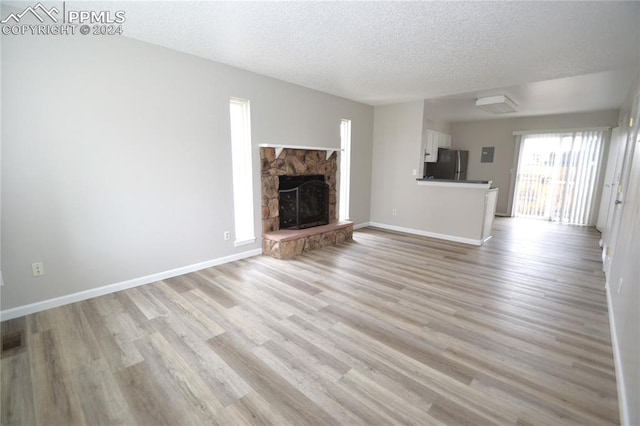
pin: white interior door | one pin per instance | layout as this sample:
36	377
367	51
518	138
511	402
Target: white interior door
610	191
621	189
606	202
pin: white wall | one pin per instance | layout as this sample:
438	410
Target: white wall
473	135
1	274
624	305
116	160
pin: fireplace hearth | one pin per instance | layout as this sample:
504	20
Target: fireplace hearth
304	201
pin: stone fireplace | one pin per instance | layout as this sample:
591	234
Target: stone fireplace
293	163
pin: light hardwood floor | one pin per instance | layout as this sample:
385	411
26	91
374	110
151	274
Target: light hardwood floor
388	329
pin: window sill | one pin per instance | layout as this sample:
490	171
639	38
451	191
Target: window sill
239	243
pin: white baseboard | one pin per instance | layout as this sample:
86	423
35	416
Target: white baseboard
361	225
622	394
123	285
422	233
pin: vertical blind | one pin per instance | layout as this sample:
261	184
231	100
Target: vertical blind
556	177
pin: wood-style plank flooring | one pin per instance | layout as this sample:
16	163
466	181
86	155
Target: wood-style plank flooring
387	329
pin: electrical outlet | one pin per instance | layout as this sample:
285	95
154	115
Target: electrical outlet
394	212
227	235
37	269
414	172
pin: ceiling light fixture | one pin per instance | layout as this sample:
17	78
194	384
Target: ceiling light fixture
497	104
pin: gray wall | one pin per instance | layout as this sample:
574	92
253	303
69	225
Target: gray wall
396	153
473	135
397	136
116	160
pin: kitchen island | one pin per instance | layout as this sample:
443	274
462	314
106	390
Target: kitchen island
486	184
466	209
460	211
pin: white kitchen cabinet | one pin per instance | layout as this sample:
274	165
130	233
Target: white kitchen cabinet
490	200
431	141
430	146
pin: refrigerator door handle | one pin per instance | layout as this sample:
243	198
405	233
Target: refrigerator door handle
458	166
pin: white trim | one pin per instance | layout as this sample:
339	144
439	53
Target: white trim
617	359
422	233
123	285
361	225
553	131
454	184
513	175
246	242
279	148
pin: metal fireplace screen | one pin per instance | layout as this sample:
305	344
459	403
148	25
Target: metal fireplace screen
304	201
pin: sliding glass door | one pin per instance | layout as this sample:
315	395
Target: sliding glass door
557	176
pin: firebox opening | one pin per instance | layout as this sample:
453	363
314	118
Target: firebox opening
304	201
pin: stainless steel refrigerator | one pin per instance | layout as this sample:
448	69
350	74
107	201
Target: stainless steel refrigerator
451	164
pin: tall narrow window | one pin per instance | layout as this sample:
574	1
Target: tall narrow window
242	175
345	168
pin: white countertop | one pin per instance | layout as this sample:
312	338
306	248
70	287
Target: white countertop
477	184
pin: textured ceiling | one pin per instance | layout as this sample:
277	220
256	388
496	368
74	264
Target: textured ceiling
388	52
589	92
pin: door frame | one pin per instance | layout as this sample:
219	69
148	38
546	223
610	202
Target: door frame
631	123
517	157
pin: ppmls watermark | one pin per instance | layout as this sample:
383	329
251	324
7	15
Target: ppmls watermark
40	20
